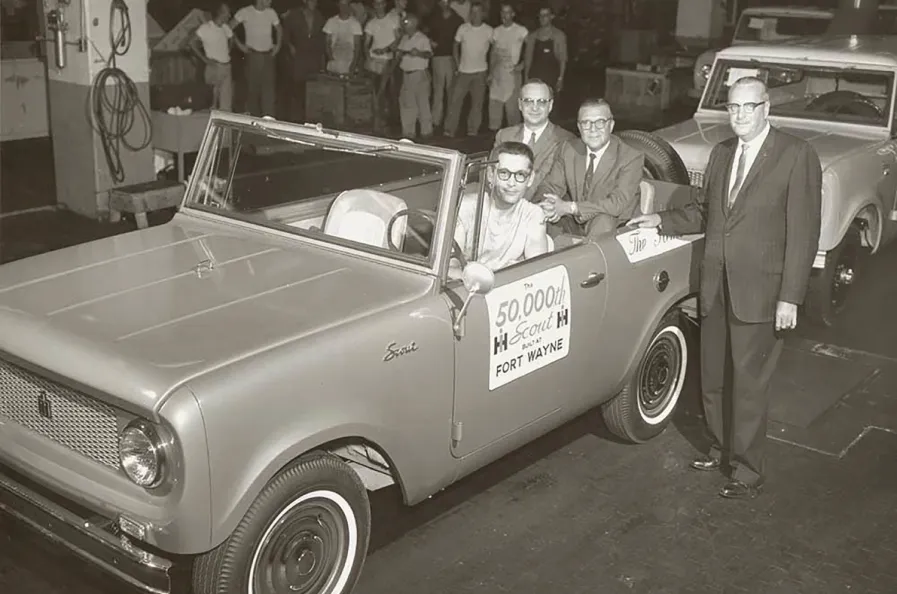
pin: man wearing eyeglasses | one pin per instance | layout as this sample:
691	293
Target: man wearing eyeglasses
537	131
760	216
511	229
593	182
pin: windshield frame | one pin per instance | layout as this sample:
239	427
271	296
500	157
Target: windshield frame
450	160
724	61
741	24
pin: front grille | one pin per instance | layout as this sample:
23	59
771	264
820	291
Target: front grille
69	418
696	178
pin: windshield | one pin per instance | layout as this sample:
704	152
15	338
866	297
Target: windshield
809	92
354	195
760	27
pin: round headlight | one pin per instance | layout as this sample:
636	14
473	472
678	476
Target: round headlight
141	454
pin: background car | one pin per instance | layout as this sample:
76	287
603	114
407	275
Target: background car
228	387
778	23
838	94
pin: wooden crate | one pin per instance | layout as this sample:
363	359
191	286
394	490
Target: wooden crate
644	95
344	104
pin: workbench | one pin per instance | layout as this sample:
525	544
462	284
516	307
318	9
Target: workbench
179	134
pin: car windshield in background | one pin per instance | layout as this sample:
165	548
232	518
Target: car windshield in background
348	194
762	28
810	92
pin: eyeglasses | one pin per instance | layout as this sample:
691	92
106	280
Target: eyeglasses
536	102
595	124
749	108
519	176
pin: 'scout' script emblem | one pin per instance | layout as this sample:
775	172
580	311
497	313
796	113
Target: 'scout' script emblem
44	407
394	351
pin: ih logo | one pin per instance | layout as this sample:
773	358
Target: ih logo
563	317
500	343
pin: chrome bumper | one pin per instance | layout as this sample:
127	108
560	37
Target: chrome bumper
88	539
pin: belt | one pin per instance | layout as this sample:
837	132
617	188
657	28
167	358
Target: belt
415	70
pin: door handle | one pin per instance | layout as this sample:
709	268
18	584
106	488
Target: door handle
593	280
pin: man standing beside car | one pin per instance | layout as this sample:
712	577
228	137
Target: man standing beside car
537	131
760	215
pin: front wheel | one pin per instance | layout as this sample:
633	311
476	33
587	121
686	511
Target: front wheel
306	533
645	406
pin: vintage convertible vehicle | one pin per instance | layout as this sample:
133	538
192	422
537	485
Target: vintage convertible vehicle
226	388
838	94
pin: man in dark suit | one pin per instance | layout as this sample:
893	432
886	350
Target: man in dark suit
761	216
594	180
537	131
303	28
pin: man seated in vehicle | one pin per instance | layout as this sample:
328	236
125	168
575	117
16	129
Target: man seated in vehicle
512	228
594	182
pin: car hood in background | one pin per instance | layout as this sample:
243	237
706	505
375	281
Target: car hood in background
131	316
693	139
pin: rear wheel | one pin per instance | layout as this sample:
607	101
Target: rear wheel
306	533
645	405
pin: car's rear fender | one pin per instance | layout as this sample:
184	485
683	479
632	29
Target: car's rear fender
328	391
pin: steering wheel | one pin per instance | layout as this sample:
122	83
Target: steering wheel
409	212
413	212
849	102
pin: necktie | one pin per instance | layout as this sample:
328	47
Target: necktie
590	170
532	140
739	175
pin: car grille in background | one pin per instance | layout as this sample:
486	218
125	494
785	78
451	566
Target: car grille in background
696	178
76	421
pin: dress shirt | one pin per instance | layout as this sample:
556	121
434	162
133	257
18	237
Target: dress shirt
753	149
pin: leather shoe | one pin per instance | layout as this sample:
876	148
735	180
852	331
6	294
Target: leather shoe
740	490
705	463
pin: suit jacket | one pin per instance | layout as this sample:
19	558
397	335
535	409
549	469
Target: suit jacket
545	151
615	182
764	245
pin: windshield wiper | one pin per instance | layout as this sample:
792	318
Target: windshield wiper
380	148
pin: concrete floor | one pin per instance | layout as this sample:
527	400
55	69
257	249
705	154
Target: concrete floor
578	511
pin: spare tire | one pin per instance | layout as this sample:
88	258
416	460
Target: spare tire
848	102
662	162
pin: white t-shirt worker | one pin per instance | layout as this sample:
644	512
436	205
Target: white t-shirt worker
259	25
475	42
342	34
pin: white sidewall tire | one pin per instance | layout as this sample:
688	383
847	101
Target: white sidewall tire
670	406
352	530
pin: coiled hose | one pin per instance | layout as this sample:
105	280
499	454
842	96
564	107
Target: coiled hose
115	103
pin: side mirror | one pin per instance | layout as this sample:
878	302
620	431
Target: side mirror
478	280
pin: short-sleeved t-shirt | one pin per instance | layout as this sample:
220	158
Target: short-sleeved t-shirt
500	245
258	25
474	47
383	32
508	42
215	40
416	41
342	31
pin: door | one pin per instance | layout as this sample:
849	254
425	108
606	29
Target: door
529	346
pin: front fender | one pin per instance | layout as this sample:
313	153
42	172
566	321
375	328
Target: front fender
845	199
265	411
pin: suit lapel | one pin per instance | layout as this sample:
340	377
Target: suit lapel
723	190
545	138
579	168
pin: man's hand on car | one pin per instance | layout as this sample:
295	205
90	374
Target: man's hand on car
648	221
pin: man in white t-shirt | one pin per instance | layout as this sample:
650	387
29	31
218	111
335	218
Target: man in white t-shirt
472	43
414	99
264	35
381	33
505	69
212	43
512	228
343	40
